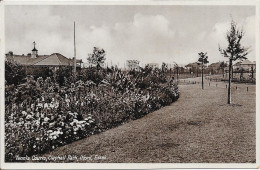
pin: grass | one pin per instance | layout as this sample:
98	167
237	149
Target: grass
198	128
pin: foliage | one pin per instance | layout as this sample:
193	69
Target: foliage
14	73
45	113
164	67
222	66
97	57
234	51
203	59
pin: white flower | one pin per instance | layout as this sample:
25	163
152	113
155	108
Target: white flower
46	105
49	131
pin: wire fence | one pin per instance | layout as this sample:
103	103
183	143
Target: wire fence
218	83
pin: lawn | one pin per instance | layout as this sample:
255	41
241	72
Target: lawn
199	127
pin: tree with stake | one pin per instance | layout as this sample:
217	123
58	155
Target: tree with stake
234	51
176	67
203	59
97	57
222	67
241	70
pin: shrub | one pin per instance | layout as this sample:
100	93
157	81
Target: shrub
45	113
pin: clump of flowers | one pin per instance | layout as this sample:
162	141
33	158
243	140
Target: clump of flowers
42	114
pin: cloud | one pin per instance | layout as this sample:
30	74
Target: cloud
219	30
36	24
148	37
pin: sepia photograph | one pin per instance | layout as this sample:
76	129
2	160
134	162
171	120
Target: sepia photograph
153	82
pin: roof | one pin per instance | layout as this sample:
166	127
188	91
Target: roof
54	59
34	49
152	64
215	64
238	63
192	65
246	62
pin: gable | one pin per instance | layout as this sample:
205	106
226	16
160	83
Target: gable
52	60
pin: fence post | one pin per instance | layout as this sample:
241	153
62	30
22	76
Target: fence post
236	87
226	86
246	88
216	85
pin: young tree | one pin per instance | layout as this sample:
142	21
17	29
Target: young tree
234	51
97	57
164	67
241	70
222	66
203	59
176	67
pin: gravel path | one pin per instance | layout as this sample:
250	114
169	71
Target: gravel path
199	127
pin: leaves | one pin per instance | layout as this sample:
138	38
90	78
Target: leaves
203	59
97	57
234	51
43	119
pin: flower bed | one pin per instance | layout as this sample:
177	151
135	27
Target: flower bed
42	114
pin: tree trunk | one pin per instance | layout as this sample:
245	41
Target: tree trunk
197	71
230	70
252	72
202	83
232	73
177	73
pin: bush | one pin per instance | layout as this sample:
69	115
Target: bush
45	113
14	73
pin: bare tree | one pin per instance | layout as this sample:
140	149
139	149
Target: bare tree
234	51
203	59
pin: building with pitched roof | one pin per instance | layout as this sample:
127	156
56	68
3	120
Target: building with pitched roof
35	60
132	64
247	64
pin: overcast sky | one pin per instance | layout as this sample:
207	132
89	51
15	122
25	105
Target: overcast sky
147	33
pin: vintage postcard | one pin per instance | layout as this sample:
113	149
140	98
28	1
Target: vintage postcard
134	84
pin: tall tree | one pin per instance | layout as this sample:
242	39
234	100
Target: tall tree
234	51
97	57
203	59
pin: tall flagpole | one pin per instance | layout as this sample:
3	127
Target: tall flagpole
74	50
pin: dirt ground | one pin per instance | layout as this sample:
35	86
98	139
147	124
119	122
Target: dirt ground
198	128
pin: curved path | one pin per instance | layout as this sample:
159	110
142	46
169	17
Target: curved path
199	127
